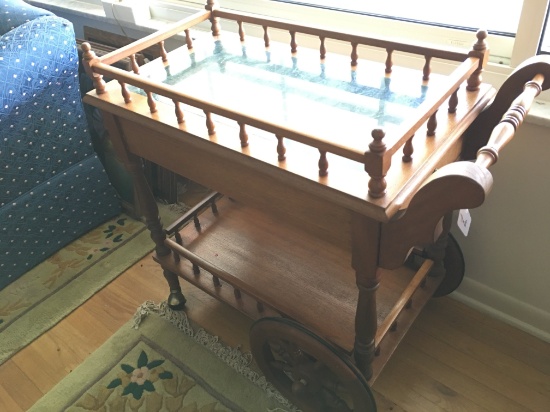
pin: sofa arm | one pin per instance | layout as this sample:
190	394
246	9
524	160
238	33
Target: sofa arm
41	116
17	12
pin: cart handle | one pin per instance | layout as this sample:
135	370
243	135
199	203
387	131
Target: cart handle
505	130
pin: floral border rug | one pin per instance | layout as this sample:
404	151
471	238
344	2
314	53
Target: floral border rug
158	362
50	291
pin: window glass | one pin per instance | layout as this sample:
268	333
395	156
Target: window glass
469	14
544	46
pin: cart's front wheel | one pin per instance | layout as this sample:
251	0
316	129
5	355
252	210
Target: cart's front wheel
309	371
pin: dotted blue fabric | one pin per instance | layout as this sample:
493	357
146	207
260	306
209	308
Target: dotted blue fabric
50	177
53	214
16	12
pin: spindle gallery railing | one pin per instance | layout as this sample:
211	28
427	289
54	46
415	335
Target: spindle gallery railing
376	157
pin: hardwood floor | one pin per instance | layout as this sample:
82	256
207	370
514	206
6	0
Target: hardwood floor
453	358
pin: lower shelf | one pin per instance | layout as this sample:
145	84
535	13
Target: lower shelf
265	267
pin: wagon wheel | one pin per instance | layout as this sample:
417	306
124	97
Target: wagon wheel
310	372
454	268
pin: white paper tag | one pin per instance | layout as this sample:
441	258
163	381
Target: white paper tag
464	221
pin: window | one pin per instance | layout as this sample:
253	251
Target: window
466	14
544	45
515	26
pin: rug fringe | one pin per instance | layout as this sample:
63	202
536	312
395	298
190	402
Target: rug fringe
231	356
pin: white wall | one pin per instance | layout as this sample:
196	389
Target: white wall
507	250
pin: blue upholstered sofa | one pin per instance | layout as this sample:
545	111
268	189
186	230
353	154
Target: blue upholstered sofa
53	187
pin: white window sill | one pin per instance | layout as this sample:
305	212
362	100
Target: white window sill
539	113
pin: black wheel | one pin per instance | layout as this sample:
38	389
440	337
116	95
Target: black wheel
454	268
309	371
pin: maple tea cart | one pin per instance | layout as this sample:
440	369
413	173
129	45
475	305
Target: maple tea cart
329	171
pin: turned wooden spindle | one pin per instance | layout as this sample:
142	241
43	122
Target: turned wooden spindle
243	136
377	182
281	149
162	51
125	93
188	39
479	50
214	208
197	223
214	21
178	111
266	37
209	123
293	44
323	163
88	58
408	150
151	102
354	55
241	31
504	131
322	48
426	71
237	293
179	241
389	62
432	124
196	269
134	63
453	102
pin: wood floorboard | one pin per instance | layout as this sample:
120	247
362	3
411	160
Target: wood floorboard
7	403
453	358
512	342
465	384
474	350
16	383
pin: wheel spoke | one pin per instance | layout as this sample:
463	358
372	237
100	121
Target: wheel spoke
310	372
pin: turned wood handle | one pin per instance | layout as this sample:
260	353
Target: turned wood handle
505	130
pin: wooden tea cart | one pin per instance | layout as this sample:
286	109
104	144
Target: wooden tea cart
328	175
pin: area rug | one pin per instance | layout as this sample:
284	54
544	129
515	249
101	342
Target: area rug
160	362
50	291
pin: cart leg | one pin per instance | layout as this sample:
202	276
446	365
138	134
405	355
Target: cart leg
147	205
176	300
365	244
365	330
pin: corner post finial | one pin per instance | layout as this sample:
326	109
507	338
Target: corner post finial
88	58
481	51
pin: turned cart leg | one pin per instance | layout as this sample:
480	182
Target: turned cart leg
145	197
176	300
365	328
147	204
365	238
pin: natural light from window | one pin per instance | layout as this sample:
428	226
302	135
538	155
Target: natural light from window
470	14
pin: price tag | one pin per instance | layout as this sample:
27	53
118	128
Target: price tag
464	221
